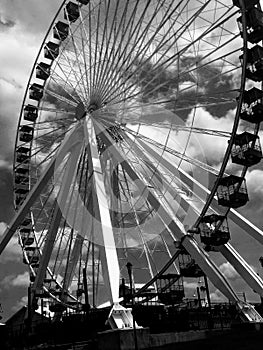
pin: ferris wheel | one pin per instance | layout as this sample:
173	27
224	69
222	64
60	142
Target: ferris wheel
121	134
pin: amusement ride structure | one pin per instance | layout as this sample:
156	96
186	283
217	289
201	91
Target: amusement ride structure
110	165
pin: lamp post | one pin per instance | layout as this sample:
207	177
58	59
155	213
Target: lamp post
129	268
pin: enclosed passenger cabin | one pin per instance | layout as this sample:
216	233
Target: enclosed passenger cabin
187	265
80	291
22	170
36	92
247	3
83	2
26	236
22	174
22	189
51	50
19	200
71	12
214	230
32	277
60	31
21	179
57	307
32	254
22	154
30	113
254	66
26	222
254	25
26	133
43	71
252	107
246	149
232	191
171	289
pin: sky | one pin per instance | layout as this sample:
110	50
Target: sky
23	24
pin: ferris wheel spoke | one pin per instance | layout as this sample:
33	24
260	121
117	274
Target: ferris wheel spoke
42	206
180	155
73	261
172	187
186	185
61	98
91	58
132	32
108	65
41	127
40	150
95	51
139	36
146	250
64	82
129	60
77	52
166	63
66	61
158	65
57	111
104	48
138	116
177	128
84	40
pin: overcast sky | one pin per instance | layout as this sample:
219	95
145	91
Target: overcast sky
23	24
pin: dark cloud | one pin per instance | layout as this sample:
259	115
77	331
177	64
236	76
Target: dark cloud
6	147
5	23
6	191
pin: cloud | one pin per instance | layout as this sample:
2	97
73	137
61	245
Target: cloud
27	13
20	303
254	181
213	147
217	296
5	164
228	270
21	280
190	285
253	210
5	23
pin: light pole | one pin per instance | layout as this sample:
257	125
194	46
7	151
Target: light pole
129	268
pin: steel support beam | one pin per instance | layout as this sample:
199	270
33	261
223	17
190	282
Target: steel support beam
108	252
